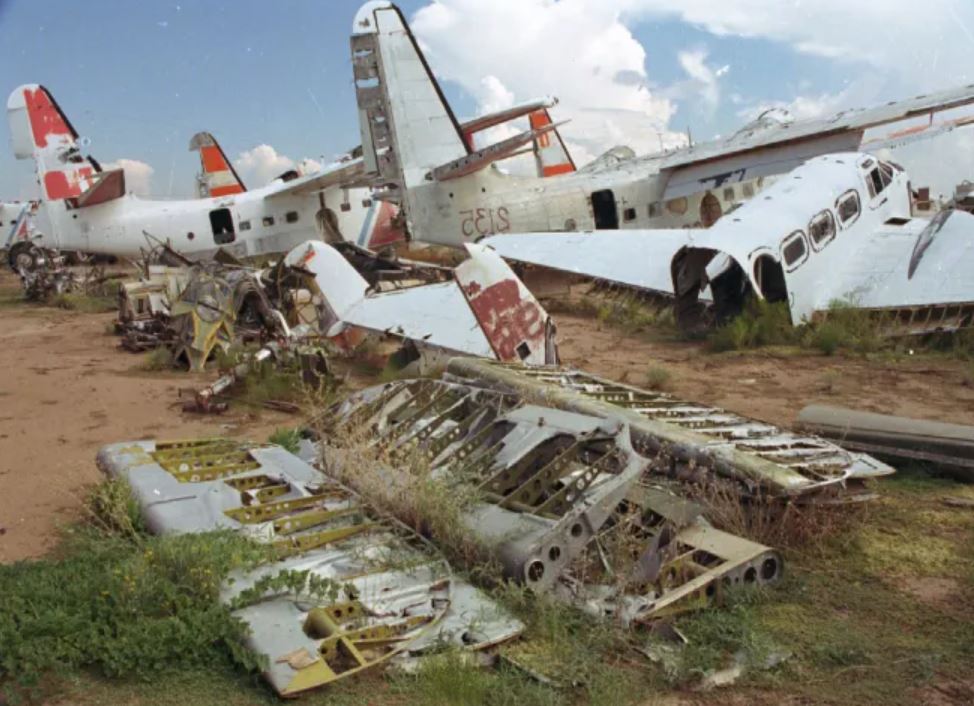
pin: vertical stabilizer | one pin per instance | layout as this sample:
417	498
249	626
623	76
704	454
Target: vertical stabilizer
40	130
217	175
407	126
550	153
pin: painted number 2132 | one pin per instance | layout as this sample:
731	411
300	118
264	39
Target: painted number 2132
484	221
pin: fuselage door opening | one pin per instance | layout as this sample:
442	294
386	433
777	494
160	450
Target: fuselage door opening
221	221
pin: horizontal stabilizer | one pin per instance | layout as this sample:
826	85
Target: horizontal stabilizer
485	122
488	155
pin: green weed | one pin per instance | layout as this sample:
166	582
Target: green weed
289	439
158	359
119	602
658	378
84	303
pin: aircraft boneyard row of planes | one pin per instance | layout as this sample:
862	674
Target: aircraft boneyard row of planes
831	223
562	464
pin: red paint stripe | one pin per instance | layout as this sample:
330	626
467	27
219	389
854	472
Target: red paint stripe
213	160
65	185
45	118
555	169
226	190
384	232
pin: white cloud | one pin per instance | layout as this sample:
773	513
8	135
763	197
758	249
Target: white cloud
932	45
576	49
262	164
703	79
138	175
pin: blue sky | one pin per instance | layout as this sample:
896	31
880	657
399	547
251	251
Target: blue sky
140	78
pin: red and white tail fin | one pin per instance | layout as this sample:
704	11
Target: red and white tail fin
218	177
513	322
39	130
550	153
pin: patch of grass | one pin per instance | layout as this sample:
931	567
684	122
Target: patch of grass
760	324
716	636
269	382
119	602
289	439
84	303
846	328
158	359
658	378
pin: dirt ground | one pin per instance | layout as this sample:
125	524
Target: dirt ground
774	385
66	390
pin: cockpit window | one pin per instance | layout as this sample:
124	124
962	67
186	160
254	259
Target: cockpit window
847	208
878	179
794	251
821	229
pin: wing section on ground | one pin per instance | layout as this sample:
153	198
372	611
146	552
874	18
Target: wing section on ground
346	174
485	311
765	148
635	258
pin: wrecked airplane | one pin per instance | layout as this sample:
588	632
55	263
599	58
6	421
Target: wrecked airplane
416	154
840	229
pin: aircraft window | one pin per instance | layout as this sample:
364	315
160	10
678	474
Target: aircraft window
629	215
366	203
821	229
267	221
291	216
221	221
244	225
346	207
793	250
655	209
678	206
748	191
847	208
729	193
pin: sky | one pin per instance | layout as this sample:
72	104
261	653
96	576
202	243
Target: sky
272	81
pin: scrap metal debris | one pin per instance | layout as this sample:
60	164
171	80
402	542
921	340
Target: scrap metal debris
391	595
949	447
576	503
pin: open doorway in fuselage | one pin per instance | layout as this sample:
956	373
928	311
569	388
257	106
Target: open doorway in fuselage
604	210
221	221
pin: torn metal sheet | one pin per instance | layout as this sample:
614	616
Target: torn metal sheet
394	594
950	447
690	440
564	502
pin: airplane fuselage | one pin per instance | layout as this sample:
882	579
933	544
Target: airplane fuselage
246	225
490	202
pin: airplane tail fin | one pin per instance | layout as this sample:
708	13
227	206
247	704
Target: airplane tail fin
408	128
217	177
39	130
550	153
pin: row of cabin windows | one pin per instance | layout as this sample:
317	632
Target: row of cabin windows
268	221
680	205
821	230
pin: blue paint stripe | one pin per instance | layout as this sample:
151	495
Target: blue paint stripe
363	235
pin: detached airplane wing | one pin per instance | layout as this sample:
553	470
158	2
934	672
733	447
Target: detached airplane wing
762	149
346	174
636	258
485	311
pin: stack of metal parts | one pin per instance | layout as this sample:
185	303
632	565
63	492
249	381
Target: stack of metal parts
688	441
143	307
577	482
396	596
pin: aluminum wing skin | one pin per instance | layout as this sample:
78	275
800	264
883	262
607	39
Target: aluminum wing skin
923	263
485	311
344	174
761	150
635	258
434	315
